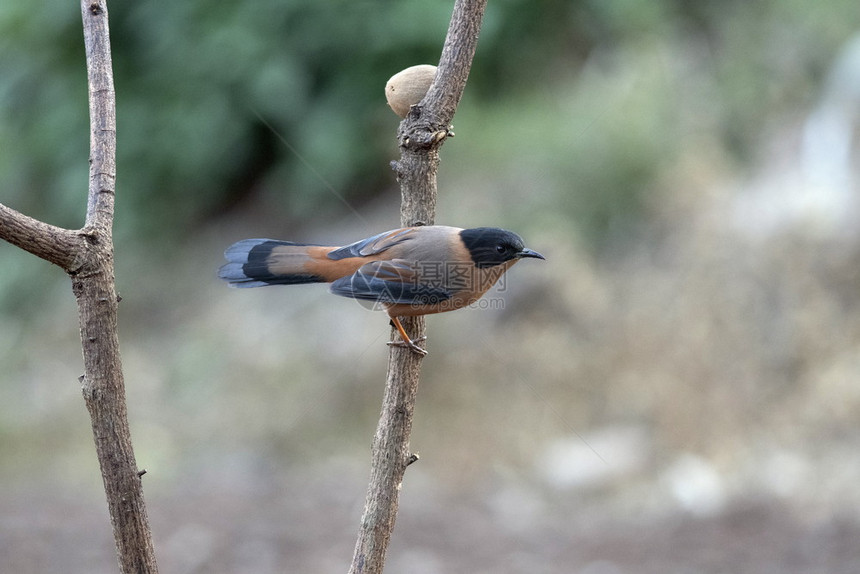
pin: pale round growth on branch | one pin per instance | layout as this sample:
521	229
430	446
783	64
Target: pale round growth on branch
408	87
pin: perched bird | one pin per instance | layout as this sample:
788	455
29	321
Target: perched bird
408	271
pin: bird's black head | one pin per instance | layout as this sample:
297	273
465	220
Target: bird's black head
490	246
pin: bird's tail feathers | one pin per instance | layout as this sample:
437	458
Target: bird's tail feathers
261	262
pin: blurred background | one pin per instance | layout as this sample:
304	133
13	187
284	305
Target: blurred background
677	389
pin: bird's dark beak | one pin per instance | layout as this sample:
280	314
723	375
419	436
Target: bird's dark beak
529	253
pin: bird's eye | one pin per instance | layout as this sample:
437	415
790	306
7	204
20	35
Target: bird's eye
500	249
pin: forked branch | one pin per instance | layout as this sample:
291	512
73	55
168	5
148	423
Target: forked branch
87	256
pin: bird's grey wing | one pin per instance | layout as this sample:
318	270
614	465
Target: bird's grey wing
395	281
373	245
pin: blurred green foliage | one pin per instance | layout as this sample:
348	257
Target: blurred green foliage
269	108
207	91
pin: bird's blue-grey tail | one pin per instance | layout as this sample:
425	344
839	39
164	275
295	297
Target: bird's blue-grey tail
261	262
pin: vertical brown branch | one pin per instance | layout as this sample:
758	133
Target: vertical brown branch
87	256
95	290
421	134
102	101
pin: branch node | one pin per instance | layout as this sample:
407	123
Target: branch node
413	457
141	472
95	9
425	137
414	112
90	235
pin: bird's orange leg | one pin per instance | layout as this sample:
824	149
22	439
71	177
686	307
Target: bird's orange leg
406	342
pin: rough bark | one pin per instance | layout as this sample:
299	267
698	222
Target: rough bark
54	244
87	256
421	133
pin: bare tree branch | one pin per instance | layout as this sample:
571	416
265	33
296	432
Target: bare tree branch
102	100
424	129
53	244
87	256
95	291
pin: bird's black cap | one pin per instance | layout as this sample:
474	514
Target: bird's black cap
490	246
